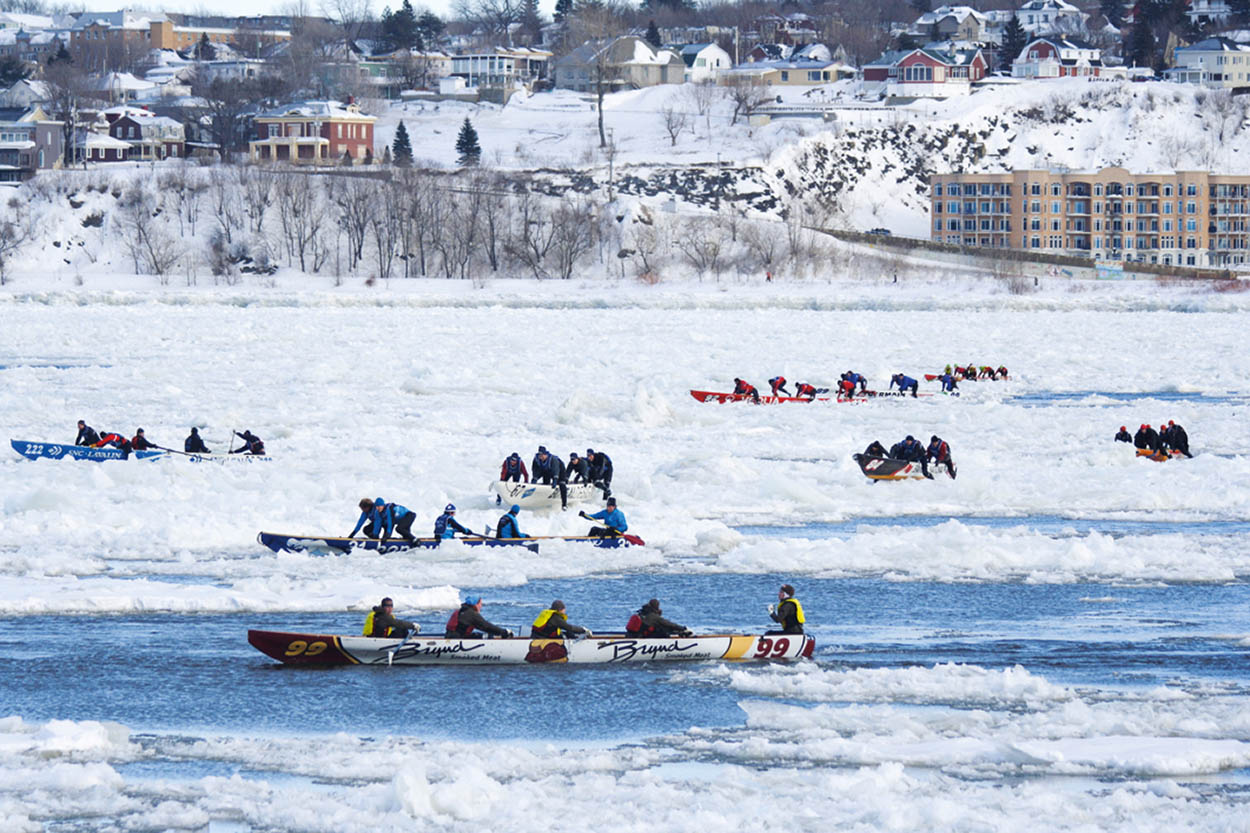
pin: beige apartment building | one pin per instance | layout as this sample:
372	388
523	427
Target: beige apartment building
1184	218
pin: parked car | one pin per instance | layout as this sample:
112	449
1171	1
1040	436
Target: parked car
884	232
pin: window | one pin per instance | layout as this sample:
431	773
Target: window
1191	225
1054	207
1037	206
1035	188
937	189
1054	189
953	189
1191	190
1167	190
785	75
1191	207
1097	190
813	75
1167	208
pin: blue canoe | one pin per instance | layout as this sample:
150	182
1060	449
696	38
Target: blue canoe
58	451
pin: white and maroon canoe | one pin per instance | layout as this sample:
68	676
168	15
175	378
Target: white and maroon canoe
614	648
538	496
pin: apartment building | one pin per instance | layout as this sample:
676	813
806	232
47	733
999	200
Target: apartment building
1183	218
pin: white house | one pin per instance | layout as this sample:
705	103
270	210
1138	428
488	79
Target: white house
1060	57
1208	11
1045	16
1212	62
704	61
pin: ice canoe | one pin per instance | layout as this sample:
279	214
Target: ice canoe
1158	456
332	545
614	648
218	458
887	468
537	496
713	396
59	451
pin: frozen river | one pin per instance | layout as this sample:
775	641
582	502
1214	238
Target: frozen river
1061	631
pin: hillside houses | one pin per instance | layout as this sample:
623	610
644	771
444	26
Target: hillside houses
1213	62
619	64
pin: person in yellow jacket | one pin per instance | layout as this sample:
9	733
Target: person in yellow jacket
787	612
552	623
381	622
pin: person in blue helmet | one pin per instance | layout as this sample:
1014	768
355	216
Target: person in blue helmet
446	525
381	519
508	527
905	383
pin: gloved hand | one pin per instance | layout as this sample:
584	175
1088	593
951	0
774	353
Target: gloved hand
507	634
687	632
416	629
772	609
584	515
589	633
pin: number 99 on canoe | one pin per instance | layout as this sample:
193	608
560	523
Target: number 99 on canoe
766	647
299	647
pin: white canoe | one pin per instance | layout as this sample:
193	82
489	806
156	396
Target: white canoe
538	496
615	648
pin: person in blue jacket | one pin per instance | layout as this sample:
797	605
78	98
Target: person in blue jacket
381	519
905	383
508	527
193	444
948	382
910	449
86	435
613	521
856	379
446	525
600	471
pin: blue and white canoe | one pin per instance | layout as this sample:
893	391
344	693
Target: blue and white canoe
59	451
331	545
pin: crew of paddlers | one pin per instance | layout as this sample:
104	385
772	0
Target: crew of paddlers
1169	439
467	622
193	444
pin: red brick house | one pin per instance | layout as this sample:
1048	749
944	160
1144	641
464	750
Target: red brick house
313	133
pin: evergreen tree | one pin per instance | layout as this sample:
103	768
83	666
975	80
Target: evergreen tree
430	28
401	148
346	161
1140	49
1113	10
400	30
531	20
12	70
653	34
204	50
1240	10
466	145
921	6
564	8
672	5
1014	41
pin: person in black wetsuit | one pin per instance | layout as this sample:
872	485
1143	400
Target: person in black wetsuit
86	435
193	444
1124	436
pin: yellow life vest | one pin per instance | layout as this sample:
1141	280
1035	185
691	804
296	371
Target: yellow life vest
369	626
545	617
798	610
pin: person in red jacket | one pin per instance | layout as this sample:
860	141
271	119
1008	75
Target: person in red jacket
939	451
741	388
140	442
514	469
778	383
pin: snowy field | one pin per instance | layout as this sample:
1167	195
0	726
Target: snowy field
416	391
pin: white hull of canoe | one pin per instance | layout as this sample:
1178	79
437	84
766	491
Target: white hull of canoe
537	496
313	649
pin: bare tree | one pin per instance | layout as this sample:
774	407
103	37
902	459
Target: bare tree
460	230
425	213
16	230
597	27
68	90
746	93
762	241
227	208
152	248
702	243
301	213
675	123
257	183
354	197
647	239
387	223
574	226
493	17
228	103
496	211
533	233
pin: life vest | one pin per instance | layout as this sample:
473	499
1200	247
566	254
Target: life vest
453	623
545	626
798	610
634	626
368	631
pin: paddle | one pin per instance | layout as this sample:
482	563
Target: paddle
615	533
390	655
